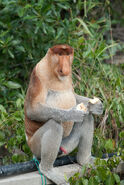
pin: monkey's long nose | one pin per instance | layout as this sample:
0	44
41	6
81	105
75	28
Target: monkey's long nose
64	70
64	67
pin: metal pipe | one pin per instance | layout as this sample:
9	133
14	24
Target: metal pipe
30	166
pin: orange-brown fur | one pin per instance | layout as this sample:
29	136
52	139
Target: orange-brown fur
62	51
34	87
32	92
44	78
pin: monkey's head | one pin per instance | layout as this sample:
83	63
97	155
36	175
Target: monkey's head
60	60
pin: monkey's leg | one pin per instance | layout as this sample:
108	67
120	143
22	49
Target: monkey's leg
45	143
70	142
86	139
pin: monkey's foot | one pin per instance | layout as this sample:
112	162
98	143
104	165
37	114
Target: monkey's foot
89	161
92	159
86	161
54	175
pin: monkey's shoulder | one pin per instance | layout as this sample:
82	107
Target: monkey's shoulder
61	99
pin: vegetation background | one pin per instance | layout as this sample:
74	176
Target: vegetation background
95	29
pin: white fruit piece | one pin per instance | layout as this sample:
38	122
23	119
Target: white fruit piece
94	100
82	107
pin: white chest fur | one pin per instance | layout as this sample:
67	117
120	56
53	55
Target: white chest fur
61	99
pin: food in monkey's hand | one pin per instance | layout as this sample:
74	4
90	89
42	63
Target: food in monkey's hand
82	107
94	100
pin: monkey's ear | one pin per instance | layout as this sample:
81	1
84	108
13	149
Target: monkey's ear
71	58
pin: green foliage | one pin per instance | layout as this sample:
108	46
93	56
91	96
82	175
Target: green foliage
12	134
102	174
27	30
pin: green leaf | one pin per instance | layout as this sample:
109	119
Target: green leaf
18	102
20	12
109	145
11	54
121	134
27	6
15	42
63	6
110	180
2	143
17	158
20	48
92	181
117	178
83	170
101	172
28	17
59	33
2	135
80	40
85	26
84	181
107	47
65	176
2	109
12	85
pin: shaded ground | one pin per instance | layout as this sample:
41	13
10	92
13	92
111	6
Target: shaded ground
118	36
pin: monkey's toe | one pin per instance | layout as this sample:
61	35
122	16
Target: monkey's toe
86	161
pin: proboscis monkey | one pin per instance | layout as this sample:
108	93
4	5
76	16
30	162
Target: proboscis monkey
52	119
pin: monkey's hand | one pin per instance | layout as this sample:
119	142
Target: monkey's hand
95	106
77	113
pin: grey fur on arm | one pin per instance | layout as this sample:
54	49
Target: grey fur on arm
41	112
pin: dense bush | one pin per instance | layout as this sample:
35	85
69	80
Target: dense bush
27	30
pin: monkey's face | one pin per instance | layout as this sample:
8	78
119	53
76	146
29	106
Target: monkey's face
61	61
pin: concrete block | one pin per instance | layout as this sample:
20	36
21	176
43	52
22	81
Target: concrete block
34	178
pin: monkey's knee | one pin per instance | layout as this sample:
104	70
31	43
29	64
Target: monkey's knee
55	126
46	137
52	135
50	144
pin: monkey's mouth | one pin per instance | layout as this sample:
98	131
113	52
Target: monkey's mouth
62	49
61	78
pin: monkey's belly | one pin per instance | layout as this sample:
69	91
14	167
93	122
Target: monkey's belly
62	100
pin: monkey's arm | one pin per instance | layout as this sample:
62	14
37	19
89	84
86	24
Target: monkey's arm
41	112
81	99
96	108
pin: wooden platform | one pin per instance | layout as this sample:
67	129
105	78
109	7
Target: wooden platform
34	178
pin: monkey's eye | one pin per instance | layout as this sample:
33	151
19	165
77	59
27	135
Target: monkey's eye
54	59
